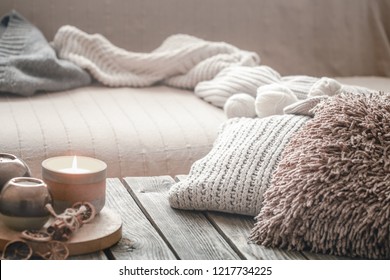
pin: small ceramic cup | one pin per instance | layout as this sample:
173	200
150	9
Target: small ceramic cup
23	203
10	167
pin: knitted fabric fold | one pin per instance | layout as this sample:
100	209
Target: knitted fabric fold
29	64
233	80
244	79
181	61
214	70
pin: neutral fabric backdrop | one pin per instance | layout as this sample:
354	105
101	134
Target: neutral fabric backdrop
312	37
137	132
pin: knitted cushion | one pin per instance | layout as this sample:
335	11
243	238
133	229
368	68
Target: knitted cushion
28	63
234	175
330	192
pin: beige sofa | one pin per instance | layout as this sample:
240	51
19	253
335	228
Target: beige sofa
163	130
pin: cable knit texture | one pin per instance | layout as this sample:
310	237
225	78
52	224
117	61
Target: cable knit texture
330	192
29	64
234	80
248	80
214	70
234	175
181	61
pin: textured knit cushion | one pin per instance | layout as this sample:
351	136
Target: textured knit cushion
234	175
331	192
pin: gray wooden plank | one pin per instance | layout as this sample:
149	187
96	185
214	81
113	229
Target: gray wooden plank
237	228
189	233
140	240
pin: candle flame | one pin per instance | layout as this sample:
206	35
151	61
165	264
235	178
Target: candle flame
75	169
74	163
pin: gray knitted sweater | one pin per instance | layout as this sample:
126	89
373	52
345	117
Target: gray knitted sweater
29	64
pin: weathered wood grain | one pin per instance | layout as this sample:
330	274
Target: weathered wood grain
189	233
140	240
236	230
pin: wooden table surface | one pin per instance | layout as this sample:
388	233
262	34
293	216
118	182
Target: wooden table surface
152	230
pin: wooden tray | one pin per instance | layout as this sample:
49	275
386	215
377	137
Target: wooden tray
104	231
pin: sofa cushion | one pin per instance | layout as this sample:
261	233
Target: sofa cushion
330	192
237	171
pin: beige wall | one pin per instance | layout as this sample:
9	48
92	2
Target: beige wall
313	37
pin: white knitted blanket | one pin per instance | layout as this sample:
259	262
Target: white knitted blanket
214	70
181	61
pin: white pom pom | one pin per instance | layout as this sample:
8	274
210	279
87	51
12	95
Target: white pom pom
240	105
325	86
271	100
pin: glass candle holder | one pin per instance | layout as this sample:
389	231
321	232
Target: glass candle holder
73	179
23	203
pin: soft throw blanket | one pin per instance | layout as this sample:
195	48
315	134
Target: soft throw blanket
181	61
29	64
214	70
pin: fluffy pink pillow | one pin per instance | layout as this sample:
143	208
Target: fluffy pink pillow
331	191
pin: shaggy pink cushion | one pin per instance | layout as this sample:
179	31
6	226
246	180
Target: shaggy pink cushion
331	191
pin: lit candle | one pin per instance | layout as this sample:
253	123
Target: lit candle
73	179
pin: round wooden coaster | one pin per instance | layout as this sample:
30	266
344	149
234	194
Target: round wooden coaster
104	231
